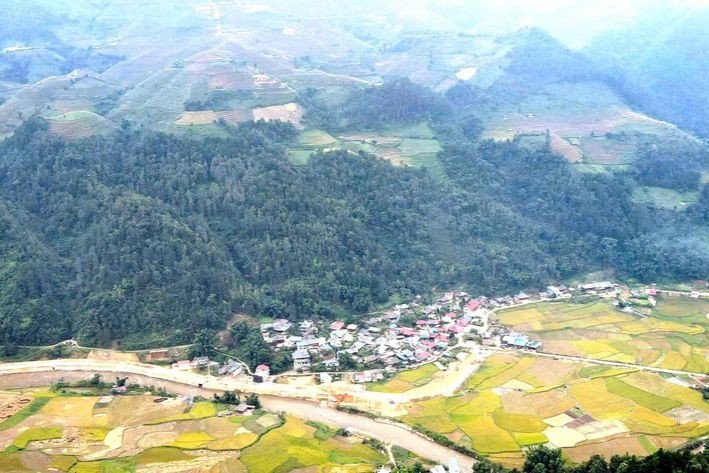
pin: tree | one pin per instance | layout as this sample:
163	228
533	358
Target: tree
542	459
204	342
253	400
486	466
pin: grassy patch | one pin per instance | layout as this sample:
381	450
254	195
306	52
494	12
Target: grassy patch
644	398
71	116
664	198
37	433
200	410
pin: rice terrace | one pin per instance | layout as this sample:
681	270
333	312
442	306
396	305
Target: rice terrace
72	433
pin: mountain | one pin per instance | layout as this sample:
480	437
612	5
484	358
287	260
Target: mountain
660	65
175	163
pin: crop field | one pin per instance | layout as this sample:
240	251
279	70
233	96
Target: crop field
515	401
154	435
587	121
79	124
413	146
674	336
406	380
295	445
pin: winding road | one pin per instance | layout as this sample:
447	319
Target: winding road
300	401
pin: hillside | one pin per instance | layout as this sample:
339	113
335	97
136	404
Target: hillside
661	66
145	238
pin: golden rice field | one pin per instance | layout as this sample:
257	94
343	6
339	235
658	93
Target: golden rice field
515	401
675	336
135	433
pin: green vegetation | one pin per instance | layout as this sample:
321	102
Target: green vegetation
33	434
186	232
71	116
405	380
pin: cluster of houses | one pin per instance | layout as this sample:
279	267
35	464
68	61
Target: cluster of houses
404	336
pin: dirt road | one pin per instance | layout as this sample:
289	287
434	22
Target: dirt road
386	432
29	374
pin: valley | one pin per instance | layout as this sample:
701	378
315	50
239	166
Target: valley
393	237
496	402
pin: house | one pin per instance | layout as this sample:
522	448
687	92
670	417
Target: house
331	363
553	292
337	325
517	340
522	297
301	360
281	325
356	346
263	371
182	365
200	362
307	326
231	368
604	286
473	305
241	409
352	328
422	354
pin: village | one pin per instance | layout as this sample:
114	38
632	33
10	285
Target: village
407	336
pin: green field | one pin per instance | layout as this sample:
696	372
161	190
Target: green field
71	116
664	198
64	434
405	380
515	401
413	146
674	336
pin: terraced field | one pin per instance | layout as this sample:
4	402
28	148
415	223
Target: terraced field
516	401
674	336
149	434
79	124
413	146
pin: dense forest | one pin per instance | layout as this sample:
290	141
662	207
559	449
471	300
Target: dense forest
146	238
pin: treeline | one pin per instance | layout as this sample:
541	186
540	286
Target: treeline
545	460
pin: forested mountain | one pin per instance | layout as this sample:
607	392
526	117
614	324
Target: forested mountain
146	238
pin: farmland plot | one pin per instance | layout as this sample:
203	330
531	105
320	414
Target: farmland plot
515	401
674	336
154	435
